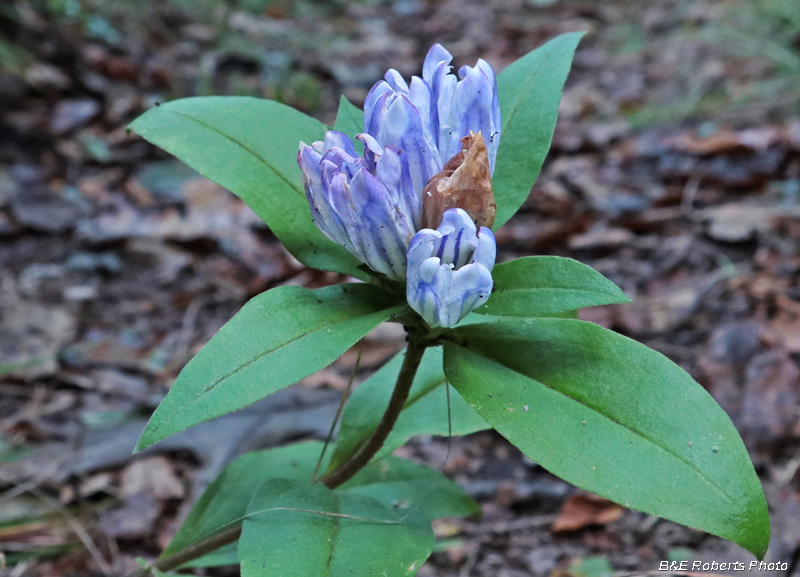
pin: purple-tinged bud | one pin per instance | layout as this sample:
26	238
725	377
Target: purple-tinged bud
393	117
468	104
433	113
366	204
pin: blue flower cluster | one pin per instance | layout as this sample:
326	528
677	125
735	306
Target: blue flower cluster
372	204
450	269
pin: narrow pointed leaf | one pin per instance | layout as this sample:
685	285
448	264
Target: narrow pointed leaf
529	91
299	530
278	338
425	412
613	417
545	285
249	146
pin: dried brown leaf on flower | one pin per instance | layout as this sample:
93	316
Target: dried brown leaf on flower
465	182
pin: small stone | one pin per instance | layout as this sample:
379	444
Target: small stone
71	114
42	76
45	211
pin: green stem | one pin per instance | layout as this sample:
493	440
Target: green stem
345	471
414	352
194	551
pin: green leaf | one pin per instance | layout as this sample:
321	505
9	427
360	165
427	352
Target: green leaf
613	417
224	502
397	483
225	555
402	485
544	285
249	146
301	530
278	338
594	566
425	412
350	120
529	91
152	570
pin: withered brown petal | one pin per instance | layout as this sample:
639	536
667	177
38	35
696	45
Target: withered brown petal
465	183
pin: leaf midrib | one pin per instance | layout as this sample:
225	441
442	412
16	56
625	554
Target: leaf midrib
244	147
335	536
280	346
678	457
527	87
552	288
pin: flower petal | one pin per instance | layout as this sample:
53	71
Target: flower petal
330	224
486	253
393	170
395	80
470	287
381	232
458	241
436	55
379	89
402	127
334	138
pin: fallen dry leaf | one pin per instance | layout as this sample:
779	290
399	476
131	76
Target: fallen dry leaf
728	141
585	509
786	324
154	476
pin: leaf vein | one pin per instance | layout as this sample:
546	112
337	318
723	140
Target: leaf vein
527	87
678	457
241	145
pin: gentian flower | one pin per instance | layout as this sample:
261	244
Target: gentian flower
366	204
430	149
397	114
450	269
435	112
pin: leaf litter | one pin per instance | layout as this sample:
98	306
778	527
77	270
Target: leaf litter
117	264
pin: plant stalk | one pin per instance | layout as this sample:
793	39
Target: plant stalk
414	352
194	551
345	471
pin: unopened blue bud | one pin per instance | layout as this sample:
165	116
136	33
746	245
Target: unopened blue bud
450	269
435	112
366	204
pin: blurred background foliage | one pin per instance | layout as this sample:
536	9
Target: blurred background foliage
764	35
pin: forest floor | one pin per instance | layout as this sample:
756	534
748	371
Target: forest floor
675	172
